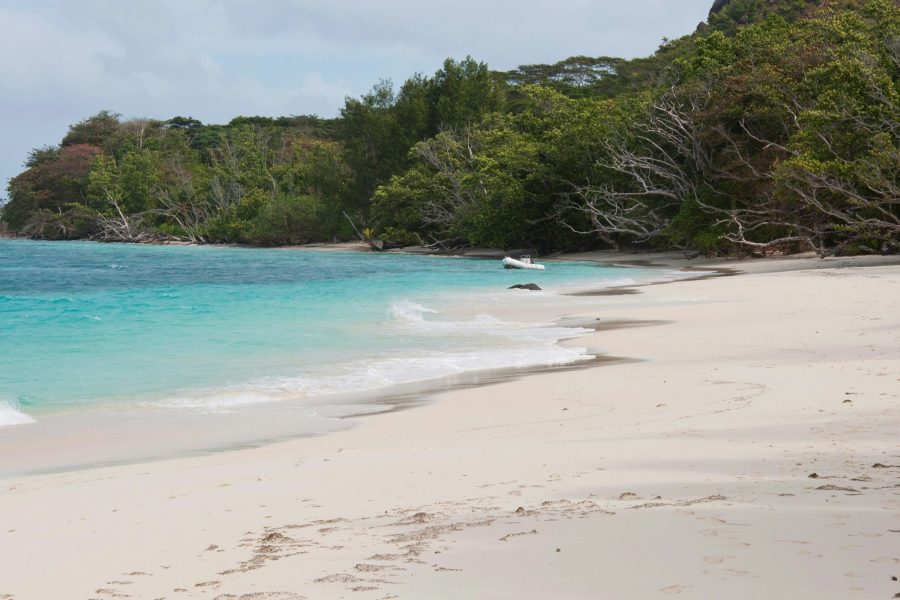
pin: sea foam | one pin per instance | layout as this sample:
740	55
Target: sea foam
11	415
374	375
409	312
504	345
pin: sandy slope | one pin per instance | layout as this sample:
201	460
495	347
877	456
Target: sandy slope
751	450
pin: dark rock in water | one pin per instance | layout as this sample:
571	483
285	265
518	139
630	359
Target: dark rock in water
526	286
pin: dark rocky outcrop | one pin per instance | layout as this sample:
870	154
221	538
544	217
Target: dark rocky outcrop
526	286
718	5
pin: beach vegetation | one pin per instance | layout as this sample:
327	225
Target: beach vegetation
771	128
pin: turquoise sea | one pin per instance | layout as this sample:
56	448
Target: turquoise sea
193	328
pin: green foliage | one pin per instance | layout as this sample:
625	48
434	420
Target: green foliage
692	227
462	93
801	125
42	155
497	183
774	126
592	77
51	185
730	15
378	129
94	130
289	220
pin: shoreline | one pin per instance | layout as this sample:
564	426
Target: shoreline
395	398
548	485
676	260
121	426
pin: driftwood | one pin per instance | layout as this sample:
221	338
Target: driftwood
373	243
128	228
448	245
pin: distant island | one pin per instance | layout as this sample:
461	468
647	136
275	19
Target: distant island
774	127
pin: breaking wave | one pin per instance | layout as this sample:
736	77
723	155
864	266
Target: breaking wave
11	415
482	343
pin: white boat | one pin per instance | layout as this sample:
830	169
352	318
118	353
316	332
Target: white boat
523	262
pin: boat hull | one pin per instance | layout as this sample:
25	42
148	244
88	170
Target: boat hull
512	263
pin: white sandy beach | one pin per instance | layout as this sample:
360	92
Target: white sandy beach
750	448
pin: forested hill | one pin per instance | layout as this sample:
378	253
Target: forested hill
775	126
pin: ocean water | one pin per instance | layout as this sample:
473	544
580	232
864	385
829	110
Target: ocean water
209	329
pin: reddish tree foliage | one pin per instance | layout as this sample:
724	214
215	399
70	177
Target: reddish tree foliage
52	184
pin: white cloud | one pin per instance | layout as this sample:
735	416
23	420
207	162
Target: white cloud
39	54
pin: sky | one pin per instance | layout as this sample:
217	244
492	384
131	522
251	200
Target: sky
64	60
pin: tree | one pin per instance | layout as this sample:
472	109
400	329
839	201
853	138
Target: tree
42	155
780	137
379	129
94	130
468	185
462	93
50	185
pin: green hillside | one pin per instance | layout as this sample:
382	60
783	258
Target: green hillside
772	127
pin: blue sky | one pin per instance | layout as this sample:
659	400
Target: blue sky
63	60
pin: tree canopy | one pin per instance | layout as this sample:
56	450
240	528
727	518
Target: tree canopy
773	127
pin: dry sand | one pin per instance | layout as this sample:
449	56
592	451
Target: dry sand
750	450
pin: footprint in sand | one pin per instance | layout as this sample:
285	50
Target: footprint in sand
865	534
262	596
715	560
675	589
854	575
802	542
337	578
